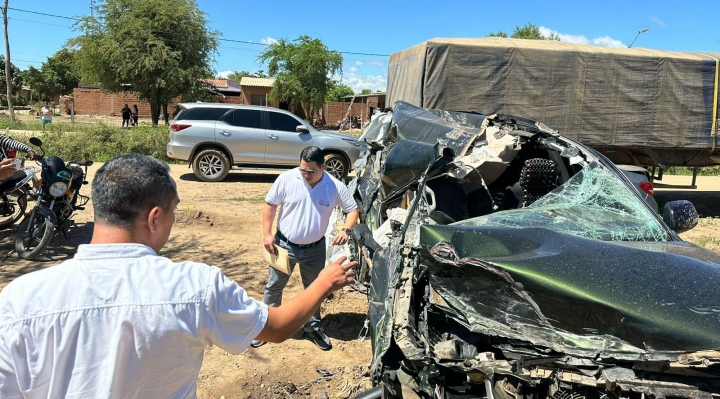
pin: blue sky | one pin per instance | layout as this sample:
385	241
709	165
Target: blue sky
387	27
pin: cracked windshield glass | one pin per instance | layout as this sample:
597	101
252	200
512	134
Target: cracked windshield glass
592	204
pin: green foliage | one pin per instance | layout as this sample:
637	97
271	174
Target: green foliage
706	171
15	78
498	34
529	31
337	91
236	76
159	47
59	75
98	143
301	69
366	91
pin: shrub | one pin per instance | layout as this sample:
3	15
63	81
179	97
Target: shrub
98	143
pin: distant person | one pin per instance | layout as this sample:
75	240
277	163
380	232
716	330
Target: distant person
46	114
135	114
120	321
125	111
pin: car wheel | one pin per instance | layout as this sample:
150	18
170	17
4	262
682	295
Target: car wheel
336	165
211	165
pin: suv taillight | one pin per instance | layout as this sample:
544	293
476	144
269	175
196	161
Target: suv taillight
647	187
176	127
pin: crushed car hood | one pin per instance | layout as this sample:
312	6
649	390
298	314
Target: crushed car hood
542	291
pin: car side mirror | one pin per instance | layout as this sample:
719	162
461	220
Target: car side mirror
680	215
302	129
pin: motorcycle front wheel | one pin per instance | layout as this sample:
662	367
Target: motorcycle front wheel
29	246
18	202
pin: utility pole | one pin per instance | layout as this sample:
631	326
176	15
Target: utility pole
8	70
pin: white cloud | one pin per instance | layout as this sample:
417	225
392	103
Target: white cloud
658	21
358	63
601	41
359	81
268	40
224	74
369	62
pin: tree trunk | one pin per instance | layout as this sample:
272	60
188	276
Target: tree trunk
154	111
347	114
165	112
8	77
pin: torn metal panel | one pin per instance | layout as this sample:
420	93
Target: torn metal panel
588	298
419	125
405	163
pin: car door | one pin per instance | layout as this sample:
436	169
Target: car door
241	131
284	143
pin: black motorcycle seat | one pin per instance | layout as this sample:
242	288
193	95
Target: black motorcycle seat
10	182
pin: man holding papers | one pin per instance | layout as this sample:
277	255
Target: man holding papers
307	196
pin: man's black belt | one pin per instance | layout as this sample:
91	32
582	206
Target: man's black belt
312	244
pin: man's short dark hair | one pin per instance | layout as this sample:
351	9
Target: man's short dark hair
130	185
313	154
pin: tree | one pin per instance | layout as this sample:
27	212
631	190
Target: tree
529	31
161	48
8	65
57	76
236	76
366	91
337	91
301	69
14	78
498	34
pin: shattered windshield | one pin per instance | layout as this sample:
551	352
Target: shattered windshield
592	204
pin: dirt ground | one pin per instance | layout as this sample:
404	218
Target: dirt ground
219	224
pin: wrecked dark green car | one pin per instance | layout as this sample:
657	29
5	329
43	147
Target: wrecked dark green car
504	261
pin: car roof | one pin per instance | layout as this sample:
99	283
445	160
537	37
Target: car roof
228	106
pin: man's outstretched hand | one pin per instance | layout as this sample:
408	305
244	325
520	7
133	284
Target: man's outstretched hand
337	275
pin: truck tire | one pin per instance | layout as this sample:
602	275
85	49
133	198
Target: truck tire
211	165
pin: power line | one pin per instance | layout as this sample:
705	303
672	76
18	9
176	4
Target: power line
220	39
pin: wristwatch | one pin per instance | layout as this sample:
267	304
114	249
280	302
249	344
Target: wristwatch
346	231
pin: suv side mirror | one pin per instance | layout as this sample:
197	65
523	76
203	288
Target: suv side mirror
302	129
680	215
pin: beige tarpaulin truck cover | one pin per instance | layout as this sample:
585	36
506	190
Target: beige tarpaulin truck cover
599	96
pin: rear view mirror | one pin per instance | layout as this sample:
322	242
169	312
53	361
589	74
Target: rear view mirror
35	141
680	215
302	129
88	163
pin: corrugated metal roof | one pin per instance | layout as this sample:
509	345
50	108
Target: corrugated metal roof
258	82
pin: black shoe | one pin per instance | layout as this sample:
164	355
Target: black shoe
257	343
319	338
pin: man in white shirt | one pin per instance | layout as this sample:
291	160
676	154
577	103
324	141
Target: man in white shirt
307	197
118	320
46	114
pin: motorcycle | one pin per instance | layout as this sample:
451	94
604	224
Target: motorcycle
57	196
14	192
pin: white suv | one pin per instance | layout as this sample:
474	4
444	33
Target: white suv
216	138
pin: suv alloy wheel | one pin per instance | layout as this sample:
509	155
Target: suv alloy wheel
211	165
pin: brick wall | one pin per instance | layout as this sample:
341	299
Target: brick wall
95	101
335	111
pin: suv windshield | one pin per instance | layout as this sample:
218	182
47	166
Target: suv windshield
592	204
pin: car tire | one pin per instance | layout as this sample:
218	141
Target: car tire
336	166
211	165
